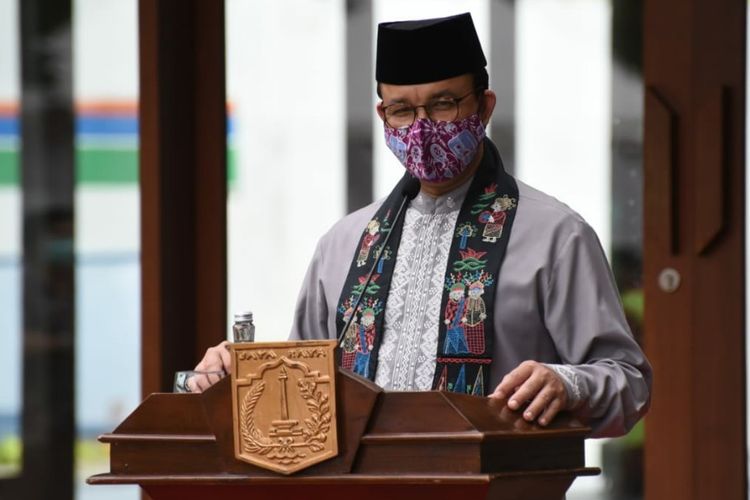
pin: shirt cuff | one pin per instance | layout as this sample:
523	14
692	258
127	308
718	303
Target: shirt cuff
575	387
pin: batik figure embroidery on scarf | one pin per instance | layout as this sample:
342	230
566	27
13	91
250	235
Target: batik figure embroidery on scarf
466	310
359	338
494	218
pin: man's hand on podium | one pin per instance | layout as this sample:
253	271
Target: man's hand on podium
216	359
536	384
531	382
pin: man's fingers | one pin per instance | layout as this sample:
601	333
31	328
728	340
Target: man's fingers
534	383
211	362
226	357
201	381
544	398
192	385
514	379
527	392
216	363
216	359
552	409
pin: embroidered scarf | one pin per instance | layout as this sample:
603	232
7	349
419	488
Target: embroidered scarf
466	335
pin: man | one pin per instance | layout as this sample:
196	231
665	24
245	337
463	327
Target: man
478	253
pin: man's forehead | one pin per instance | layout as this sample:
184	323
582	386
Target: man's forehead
452	87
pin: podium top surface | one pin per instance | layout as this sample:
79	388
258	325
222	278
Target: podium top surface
414	436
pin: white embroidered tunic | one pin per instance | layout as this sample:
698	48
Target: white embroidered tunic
407	357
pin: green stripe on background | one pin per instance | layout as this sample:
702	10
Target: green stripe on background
107	166
8	168
98	166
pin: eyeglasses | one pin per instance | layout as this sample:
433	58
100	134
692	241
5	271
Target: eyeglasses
442	109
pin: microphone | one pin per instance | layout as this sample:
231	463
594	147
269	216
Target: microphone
409	190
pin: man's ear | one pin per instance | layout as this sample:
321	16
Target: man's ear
379	110
487	106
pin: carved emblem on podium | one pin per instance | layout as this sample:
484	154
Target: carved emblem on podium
284	404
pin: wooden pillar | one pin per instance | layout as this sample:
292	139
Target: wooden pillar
694	71
183	184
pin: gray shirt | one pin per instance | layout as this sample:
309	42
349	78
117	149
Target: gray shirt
556	303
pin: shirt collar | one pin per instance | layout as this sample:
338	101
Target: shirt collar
445	203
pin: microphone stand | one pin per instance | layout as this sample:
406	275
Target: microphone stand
410	190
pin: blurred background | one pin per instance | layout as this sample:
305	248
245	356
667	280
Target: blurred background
568	74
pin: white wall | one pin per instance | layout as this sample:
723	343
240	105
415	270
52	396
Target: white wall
286	82
10	225
563	129
563	103
105	48
9	65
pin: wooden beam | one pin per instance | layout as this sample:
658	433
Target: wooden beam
183	184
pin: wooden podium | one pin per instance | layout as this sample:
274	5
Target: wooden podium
392	445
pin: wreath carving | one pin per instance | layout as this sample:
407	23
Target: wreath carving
286	450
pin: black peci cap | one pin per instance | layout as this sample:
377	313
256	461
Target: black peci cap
427	50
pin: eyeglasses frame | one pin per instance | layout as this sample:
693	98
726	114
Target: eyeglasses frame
455	100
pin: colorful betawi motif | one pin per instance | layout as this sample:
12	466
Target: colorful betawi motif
463	361
465	231
372	234
493	212
359	338
494	218
436	151
466	311
459	384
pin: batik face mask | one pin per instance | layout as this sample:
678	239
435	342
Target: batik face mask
436	151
